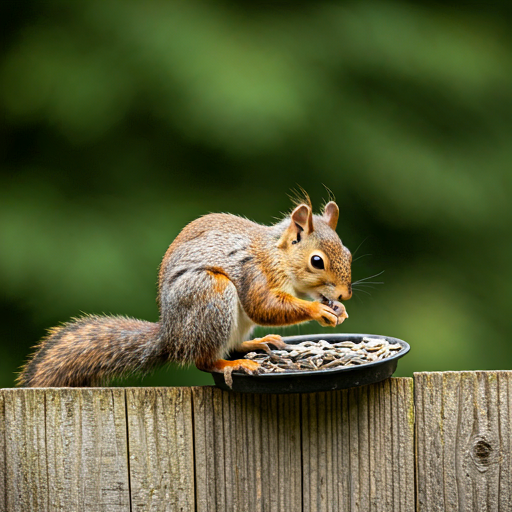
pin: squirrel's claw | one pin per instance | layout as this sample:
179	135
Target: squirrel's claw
276	340
246	365
263	344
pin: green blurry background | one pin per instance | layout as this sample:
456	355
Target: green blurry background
124	120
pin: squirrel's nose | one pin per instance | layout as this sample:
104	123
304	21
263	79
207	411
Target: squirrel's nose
346	295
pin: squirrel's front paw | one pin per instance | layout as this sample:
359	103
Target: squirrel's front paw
329	315
323	314
339	310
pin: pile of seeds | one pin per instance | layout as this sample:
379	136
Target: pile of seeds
322	355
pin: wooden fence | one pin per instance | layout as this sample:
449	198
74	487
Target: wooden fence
438	442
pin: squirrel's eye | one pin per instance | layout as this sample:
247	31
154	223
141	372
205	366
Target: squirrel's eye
317	262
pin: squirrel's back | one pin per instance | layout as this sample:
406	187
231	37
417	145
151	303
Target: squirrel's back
221	235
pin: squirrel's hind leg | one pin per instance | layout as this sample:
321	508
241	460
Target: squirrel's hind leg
203	316
237	364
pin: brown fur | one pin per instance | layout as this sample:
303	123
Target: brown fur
221	276
86	351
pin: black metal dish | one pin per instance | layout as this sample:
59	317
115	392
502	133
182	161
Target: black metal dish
317	380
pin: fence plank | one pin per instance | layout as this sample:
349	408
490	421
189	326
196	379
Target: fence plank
3	465
505	435
65	450
403	476
25	477
463	440
247	451
87	453
353	444
161	449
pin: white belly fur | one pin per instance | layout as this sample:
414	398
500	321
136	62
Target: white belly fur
242	328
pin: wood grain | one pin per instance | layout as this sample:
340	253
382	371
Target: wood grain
65	449
358	448
161	449
247	451
26	476
86	446
463	428
3	466
209	450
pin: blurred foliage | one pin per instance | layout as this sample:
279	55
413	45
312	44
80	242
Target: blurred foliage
124	120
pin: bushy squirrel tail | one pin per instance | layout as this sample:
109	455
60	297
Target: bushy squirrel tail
89	350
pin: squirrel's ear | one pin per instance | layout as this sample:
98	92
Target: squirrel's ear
302	219
301	223
331	214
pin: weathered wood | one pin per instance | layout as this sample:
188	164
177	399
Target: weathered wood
463	429
3	467
358	448
208	450
403	481
87	453
161	449
65	450
26	467
247	451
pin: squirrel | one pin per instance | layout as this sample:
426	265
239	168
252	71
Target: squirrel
221	276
